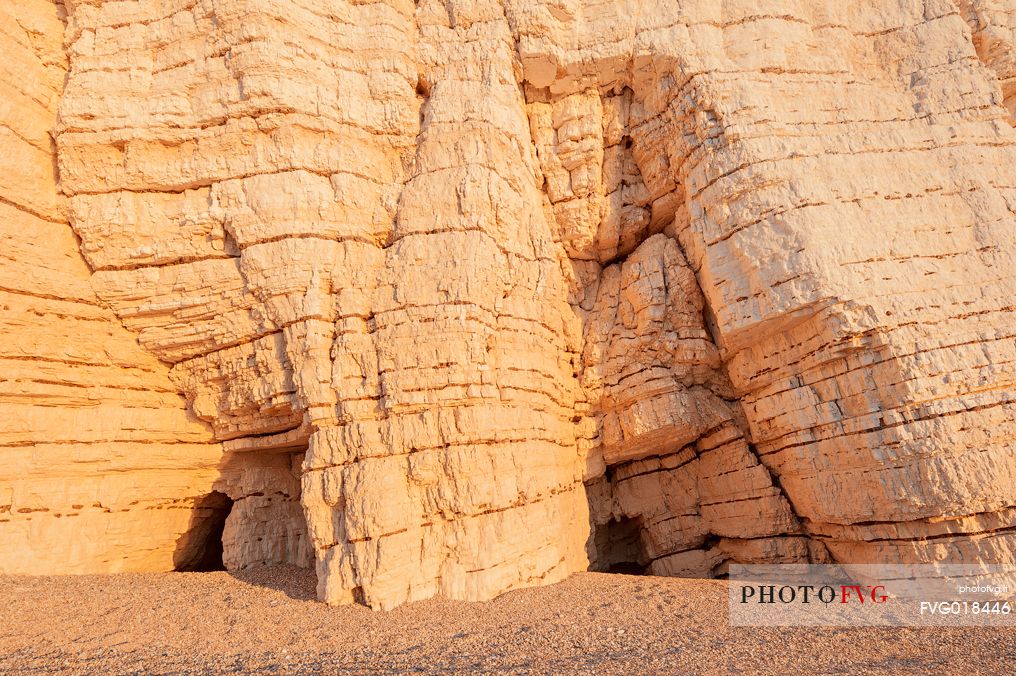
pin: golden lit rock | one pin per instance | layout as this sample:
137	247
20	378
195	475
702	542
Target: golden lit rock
454	297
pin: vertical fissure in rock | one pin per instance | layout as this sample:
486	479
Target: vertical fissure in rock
672	442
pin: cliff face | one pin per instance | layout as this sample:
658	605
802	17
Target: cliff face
498	291
100	458
103	465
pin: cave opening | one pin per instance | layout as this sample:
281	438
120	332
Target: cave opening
618	547
204	550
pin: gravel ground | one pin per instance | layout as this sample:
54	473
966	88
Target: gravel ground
266	621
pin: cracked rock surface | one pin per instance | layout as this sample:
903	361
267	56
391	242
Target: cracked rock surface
451	297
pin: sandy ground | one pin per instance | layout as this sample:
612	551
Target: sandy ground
266	621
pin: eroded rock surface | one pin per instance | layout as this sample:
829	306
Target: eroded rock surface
499	290
101	461
104	466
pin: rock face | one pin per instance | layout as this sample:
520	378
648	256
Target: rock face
103	466
100	457
453	297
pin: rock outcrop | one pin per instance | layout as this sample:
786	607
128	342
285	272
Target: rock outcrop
100	455
104	467
458	296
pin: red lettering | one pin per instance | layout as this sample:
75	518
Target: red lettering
844	592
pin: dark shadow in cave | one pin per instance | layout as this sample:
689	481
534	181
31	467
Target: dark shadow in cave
269	544
199	550
618	547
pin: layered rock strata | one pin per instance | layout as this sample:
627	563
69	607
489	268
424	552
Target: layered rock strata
101	460
103	467
829	233
501	290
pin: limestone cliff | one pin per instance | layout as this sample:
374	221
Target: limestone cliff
100	457
499	290
103	466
